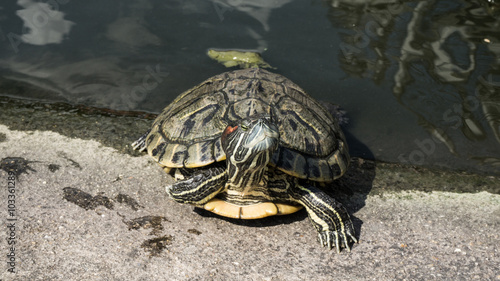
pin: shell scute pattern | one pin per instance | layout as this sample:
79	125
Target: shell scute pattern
187	133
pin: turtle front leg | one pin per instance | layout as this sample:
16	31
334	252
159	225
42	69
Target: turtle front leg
328	216
200	187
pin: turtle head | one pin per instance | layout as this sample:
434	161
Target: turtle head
249	145
250	137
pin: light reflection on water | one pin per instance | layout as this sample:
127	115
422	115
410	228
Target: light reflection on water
420	80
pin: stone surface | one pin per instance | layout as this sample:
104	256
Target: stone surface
86	211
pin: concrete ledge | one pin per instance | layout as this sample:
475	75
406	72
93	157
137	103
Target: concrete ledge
130	230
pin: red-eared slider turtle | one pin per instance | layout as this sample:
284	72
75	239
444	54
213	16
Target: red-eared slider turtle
249	144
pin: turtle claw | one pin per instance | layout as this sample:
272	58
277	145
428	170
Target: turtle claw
327	238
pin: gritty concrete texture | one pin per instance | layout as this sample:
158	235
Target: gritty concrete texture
85	210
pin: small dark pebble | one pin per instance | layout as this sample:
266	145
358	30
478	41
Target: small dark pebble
54	167
194	231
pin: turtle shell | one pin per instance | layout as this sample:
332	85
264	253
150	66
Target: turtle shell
187	132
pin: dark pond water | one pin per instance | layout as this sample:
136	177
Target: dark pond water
420	80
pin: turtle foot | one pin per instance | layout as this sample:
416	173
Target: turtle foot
337	239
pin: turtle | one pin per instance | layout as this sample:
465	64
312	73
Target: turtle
250	143
245	59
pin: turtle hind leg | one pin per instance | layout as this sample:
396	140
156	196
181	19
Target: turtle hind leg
199	188
140	143
328	216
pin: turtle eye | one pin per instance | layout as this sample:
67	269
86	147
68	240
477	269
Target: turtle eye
245	125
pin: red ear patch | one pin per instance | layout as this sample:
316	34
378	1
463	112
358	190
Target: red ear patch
227	132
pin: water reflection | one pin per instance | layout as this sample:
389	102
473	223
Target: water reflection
419	80
446	67
95	71
257	9
122	52
44	24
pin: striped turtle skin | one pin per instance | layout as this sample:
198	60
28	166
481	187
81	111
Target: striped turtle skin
187	132
249	144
